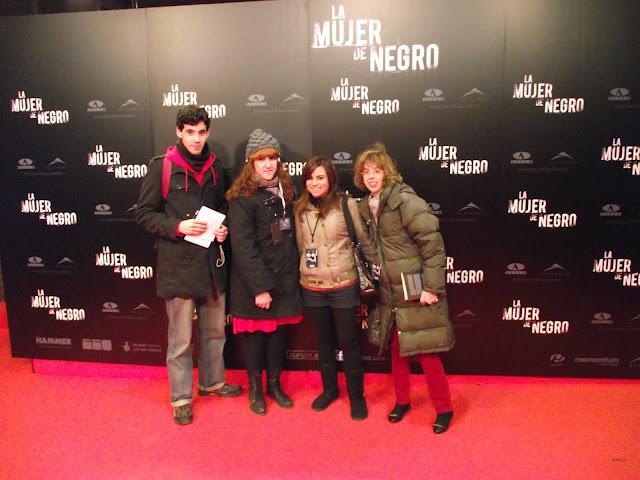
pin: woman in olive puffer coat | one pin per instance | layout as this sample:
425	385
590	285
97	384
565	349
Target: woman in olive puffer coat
408	240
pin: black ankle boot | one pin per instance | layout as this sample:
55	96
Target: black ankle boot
329	387
442	422
256	398
355	387
274	390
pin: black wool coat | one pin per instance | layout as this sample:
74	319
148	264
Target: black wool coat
258	265
183	269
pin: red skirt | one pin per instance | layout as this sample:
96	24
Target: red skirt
267	325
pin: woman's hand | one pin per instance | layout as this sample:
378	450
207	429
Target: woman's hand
263	300
428	298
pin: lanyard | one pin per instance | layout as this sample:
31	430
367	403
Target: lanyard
312	232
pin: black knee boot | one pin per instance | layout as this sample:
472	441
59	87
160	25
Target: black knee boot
256	398
355	387
329	387
275	391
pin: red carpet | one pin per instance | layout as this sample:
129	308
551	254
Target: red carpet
99	422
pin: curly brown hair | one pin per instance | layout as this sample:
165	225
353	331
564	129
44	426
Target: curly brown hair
245	184
376	154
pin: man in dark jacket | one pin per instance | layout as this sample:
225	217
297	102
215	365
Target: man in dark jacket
189	277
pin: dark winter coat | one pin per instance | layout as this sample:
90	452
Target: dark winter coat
257	264
183	269
408	239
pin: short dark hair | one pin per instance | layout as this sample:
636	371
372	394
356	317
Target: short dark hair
192	115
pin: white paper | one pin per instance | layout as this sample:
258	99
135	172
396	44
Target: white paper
213	219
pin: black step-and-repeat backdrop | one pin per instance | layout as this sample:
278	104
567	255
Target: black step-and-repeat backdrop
519	124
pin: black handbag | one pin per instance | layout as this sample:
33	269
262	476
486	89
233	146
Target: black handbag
368	282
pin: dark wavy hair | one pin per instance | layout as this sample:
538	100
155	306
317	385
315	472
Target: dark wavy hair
332	200
192	115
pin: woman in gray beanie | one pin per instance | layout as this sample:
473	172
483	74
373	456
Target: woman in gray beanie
264	295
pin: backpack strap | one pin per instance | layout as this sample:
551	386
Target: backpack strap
166	176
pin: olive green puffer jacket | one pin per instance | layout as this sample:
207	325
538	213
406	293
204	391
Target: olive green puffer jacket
408	239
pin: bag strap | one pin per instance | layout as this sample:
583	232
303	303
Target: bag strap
166	176
347	218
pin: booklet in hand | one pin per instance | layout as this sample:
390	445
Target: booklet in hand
214	219
412	285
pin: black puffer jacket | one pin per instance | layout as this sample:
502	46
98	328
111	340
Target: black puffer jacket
183	269
257	264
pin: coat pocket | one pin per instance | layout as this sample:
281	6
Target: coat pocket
422	317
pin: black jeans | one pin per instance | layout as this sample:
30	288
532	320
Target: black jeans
336	326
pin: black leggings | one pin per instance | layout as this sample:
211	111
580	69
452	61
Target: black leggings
331	324
257	345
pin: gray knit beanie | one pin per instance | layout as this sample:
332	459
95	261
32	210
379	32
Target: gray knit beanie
259	139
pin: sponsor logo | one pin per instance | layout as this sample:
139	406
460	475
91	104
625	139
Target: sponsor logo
129	105
516	269
53	342
602	318
137	347
96	106
256	100
293	99
435	208
342	158
619	94
103	209
110	307
302	355
433	95
556	270
475	95
635	363
597	361
66	263
521	158
57	163
97	344
611	210
562	158
557	360
35	262
25	164
471	209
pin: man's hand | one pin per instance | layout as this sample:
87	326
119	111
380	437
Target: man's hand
192	227
221	233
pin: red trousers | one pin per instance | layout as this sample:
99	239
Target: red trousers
433	371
